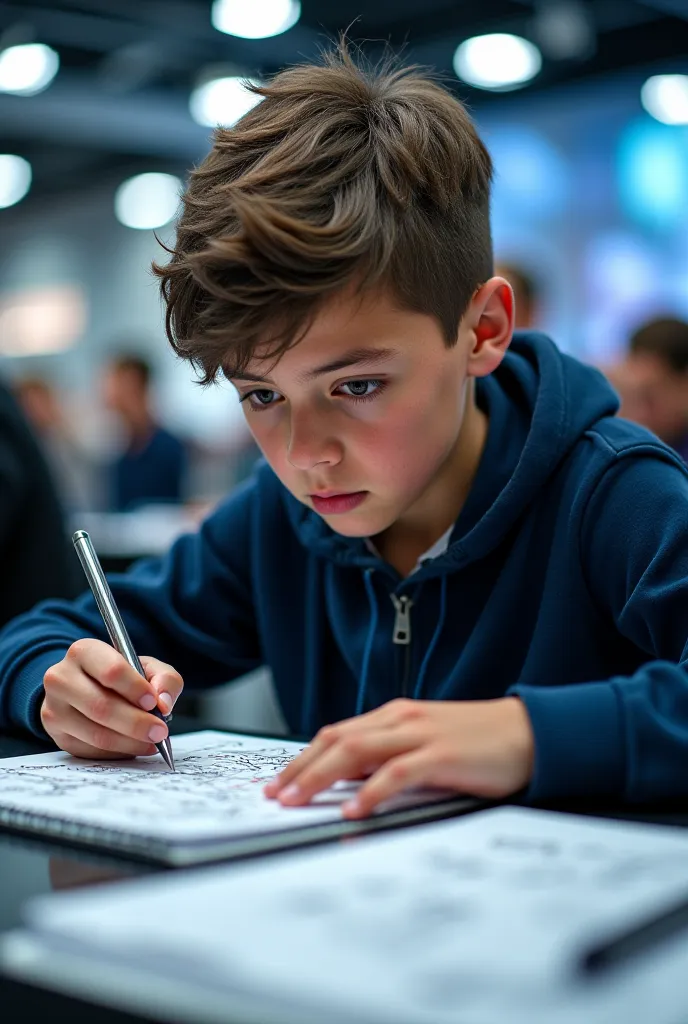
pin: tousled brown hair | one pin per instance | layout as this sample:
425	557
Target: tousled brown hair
340	176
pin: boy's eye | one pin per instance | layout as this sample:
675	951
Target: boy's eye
260	398
355	390
362	388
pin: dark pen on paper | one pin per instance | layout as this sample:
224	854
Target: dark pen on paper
644	936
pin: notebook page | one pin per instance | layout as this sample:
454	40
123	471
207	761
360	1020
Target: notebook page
477	919
216	791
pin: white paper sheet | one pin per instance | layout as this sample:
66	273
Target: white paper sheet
216	791
476	920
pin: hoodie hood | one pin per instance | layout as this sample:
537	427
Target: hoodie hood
540	402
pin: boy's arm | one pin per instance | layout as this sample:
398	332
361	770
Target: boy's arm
193	609
626	736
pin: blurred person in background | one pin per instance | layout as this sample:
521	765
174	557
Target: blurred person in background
526	295
73	470
35	555
653	381
152	467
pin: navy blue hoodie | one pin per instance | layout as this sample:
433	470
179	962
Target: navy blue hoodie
565	582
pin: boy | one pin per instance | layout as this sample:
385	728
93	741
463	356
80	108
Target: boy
461	568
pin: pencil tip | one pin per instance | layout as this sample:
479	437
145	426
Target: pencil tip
165	748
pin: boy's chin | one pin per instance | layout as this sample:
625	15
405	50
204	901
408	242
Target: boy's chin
358	526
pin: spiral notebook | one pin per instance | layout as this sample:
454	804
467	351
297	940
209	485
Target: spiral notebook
213	807
483	919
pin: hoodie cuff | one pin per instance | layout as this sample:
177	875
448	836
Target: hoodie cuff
26	693
579	741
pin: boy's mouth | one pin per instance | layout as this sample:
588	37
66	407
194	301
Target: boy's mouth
330	503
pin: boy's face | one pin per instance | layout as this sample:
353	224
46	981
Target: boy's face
361	416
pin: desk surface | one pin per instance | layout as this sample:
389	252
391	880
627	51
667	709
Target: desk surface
33	867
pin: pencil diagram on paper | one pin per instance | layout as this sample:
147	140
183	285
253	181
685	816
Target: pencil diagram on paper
226	779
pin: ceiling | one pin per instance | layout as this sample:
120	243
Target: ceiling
120	100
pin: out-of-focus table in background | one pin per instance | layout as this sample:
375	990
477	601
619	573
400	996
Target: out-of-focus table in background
122	537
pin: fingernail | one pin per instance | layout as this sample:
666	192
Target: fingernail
165	702
270	789
157	733
148	702
351	808
292	794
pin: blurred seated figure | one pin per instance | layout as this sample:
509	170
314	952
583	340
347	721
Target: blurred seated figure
526	295
73	470
35	555
653	381
152	467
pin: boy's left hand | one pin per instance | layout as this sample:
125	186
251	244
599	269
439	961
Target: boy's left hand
481	747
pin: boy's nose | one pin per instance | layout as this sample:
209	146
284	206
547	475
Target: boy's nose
309	446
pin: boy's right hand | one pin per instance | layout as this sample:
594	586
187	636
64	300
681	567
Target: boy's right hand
95	703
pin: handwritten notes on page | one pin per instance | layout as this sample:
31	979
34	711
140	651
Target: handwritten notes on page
475	920
215	794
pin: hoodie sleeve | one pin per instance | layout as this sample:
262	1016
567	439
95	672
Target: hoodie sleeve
626	736
193	608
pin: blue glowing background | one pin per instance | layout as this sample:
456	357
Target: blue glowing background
591	197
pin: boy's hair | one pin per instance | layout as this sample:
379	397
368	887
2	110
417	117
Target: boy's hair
340	177
666	338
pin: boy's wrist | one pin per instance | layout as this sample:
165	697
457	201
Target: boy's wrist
520	740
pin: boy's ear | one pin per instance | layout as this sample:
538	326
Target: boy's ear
489	321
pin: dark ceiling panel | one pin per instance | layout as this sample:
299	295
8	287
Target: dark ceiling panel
127	66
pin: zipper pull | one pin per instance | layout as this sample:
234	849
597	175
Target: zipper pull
402	619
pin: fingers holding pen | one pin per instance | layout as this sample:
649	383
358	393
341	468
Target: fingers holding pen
104	664
165	682
105	711
81	736
69	686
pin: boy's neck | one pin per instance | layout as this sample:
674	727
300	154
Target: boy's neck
403	543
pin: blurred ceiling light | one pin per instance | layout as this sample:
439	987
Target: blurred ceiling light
26	70
147	201
35	321
255	19
666	98
15	179
222	101
498	61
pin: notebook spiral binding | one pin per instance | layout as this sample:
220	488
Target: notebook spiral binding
93	836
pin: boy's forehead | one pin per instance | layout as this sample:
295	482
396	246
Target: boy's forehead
360	327
318	364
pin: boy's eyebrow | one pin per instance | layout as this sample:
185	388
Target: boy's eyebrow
355	357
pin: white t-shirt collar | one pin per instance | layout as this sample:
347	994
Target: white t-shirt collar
437	549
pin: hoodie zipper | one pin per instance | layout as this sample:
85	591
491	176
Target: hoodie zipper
401	634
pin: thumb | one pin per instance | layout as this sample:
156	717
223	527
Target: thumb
165	681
